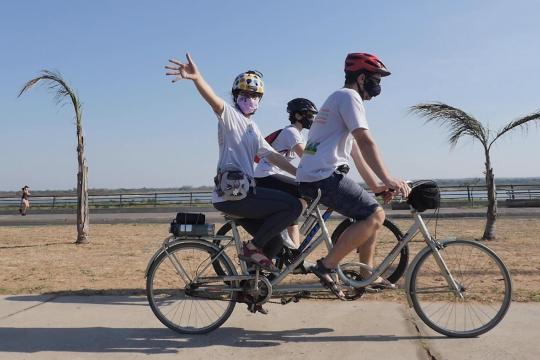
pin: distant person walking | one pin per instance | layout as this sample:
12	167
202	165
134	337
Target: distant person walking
25	200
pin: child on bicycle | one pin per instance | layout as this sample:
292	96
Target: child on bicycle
290	143
340	130
265	212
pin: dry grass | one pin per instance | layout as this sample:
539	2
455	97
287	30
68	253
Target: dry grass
43	259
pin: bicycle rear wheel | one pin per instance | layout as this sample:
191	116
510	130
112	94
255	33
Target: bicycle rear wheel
185	291
387	237
482	278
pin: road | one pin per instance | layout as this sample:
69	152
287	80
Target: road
123	327
165	215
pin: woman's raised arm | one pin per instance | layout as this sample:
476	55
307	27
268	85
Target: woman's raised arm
189	71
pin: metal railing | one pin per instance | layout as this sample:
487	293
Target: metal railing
470	195
189	199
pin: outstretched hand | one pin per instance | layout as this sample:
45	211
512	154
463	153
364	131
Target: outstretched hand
181	71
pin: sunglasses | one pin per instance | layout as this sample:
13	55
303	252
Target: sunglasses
308	115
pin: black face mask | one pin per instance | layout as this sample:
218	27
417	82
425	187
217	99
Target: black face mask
372	87
306	123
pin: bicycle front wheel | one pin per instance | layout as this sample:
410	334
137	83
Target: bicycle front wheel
484	289
185	291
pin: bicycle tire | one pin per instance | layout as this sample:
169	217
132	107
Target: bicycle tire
468	262
165	296
395	273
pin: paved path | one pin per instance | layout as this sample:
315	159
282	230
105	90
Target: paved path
123	327
142	216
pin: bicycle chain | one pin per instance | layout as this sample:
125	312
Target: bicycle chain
294	298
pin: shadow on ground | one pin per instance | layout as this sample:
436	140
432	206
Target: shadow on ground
158	341
88	296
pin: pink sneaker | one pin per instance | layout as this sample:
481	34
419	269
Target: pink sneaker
258	258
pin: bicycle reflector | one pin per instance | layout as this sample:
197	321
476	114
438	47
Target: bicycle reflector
424	195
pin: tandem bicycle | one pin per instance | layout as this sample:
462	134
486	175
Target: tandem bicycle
459	288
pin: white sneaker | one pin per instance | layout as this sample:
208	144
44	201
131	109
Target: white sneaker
287	241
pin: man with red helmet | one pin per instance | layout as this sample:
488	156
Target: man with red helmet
340	131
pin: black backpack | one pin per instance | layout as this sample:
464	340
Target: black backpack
269	139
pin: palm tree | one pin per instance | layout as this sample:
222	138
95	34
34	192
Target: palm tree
462	124
62	91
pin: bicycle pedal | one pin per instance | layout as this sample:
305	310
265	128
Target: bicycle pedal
285	301
377	289
296	298
372	290
254	308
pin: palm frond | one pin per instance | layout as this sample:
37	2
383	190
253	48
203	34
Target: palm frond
60	88
522	123
459	122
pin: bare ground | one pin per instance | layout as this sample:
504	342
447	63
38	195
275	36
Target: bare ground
44	259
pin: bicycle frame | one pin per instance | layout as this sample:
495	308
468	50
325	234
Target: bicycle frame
308	245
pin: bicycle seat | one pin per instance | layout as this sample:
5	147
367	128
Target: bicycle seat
312	201
308	198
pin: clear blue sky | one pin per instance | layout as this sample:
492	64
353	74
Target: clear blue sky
141	130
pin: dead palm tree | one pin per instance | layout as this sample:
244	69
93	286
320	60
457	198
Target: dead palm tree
62	91
462	124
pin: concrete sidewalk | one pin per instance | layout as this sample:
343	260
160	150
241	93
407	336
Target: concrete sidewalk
124	327
166	216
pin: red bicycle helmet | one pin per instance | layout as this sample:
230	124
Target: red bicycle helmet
363	61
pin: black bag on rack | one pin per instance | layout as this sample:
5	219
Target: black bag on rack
190	218
189	224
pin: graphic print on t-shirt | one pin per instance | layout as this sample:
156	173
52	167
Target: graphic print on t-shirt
311	148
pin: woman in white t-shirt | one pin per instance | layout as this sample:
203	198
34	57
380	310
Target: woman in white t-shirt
265	212
290	143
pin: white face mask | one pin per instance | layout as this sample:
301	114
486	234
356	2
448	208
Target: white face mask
247	105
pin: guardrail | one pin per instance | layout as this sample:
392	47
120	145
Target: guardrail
469	195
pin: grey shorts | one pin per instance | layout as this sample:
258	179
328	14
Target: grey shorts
343	195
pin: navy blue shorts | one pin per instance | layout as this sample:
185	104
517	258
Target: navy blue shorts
279	182
342	195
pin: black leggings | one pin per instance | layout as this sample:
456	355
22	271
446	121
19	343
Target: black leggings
265	213
282	183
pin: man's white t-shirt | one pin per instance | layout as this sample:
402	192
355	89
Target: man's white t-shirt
239	141
287	139
330	141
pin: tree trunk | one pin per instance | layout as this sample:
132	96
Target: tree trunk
82	191
489	231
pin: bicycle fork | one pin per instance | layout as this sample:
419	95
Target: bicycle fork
435	246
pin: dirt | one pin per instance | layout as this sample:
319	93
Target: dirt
44	259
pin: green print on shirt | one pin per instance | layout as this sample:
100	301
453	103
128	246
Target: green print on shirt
311	148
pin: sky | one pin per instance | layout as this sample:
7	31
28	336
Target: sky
143	131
